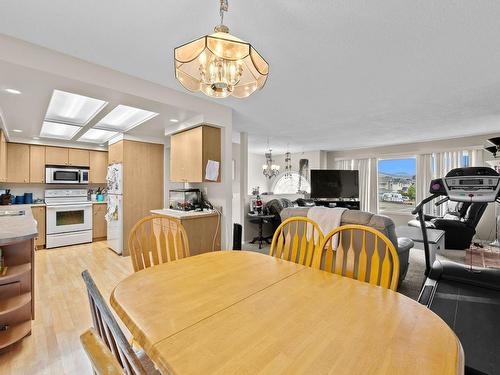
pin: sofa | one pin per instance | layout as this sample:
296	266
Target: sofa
382	223
459	223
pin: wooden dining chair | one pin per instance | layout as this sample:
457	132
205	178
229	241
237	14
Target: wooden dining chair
157	239
102	360
296	239
106	326
359	252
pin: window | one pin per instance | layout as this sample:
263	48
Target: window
396	185
291	184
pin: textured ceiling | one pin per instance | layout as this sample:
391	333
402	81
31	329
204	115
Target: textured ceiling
344	74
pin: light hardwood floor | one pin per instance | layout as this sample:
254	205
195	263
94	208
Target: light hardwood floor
62	310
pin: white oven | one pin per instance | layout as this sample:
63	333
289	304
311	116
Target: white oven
68	217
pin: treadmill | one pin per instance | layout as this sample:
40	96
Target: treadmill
467	298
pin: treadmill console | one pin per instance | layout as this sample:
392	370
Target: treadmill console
473	184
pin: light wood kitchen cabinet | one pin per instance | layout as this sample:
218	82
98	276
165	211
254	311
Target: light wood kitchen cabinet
18	166
142	182
115	152
98	167
56	155
39	215
37	164
99	224
190	151
67	156
3	157
78	158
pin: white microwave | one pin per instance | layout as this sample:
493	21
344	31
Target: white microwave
55	174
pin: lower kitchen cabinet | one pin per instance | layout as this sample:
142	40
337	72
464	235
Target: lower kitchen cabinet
39	215
99	224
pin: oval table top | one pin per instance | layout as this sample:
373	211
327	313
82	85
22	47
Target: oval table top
238	312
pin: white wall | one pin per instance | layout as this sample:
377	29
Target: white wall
236	184
255	176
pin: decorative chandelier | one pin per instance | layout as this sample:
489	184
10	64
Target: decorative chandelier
219	64
270	169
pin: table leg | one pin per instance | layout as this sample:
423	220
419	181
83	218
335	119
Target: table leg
261	225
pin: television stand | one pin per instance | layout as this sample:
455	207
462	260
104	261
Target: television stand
343	203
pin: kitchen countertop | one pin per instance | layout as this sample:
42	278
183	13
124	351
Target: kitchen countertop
17	228
42	204
183	214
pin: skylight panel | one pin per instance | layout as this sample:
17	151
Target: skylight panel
123	118
97	136
58	131
73	109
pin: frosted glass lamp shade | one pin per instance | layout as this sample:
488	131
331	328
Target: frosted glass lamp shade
220	65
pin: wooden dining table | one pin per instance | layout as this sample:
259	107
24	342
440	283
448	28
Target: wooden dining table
239	312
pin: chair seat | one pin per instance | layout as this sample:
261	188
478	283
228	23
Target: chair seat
416	223
147	363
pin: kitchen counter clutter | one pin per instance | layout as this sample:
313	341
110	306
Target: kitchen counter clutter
18	230
202	228
183	214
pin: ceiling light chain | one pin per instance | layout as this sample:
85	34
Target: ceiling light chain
223	8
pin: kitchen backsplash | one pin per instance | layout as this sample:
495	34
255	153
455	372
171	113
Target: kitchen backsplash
39	189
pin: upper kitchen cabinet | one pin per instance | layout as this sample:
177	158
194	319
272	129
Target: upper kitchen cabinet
78	158
190	152
18	166
56	156
115	152
37	164
67	156
98	167
3	157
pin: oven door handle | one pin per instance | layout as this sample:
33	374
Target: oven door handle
83	205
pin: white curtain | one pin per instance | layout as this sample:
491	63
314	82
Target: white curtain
345	165
446	161
367	180
424	177
476	158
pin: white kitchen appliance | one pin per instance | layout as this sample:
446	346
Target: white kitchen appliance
114	216
68	217
55	174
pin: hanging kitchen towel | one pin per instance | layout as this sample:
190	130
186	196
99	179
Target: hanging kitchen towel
212	170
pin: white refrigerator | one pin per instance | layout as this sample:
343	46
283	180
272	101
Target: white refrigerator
114	215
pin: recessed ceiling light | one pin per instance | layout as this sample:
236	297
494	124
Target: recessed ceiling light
72	109
58	131
123	118
13	91
17	130
97	136
174	120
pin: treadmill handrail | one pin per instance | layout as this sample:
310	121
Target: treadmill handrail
424	202
419	210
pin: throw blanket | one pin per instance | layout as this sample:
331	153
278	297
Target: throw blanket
328	219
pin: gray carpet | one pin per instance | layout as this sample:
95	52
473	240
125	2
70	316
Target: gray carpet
411	285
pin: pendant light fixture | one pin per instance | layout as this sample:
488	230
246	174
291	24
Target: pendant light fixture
220	65
288	163
270	169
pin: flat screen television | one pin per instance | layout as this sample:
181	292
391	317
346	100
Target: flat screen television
334	184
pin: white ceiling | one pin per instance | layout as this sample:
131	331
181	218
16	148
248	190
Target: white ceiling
344	74
26	112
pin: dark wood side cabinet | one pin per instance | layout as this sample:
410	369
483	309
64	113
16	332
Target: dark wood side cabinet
17	307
